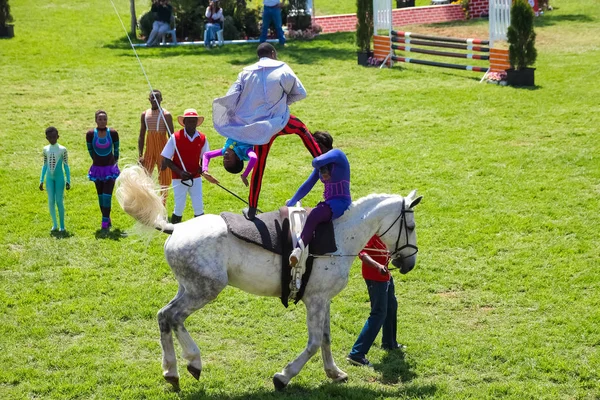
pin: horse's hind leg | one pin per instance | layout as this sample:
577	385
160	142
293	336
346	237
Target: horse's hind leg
169	360
315	316
331	369
174	315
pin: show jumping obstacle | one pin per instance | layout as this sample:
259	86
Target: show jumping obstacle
408	39
385	45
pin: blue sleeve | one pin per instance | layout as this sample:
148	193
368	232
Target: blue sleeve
44	168
335	156
304	188
66	166
88	139
114	135
90	150
116	150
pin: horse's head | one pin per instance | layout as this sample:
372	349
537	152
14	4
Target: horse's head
399	235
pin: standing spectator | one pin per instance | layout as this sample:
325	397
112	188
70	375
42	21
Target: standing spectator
163	13
214	15
55	159
272	13
183	154
256	110
103	147
156	125
384	305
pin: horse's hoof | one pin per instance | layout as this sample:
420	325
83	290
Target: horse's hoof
278	382
194	371
174	381
342	378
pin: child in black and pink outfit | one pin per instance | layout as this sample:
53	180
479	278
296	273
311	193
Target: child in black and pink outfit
183	154
103	146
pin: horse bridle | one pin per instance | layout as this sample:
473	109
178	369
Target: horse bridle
398	249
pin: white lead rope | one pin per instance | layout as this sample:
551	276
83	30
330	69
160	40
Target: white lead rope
161	114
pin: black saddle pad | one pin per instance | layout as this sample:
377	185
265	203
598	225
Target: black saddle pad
266	231
271	231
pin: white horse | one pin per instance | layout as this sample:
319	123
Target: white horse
205	258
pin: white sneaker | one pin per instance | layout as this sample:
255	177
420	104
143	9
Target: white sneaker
295	257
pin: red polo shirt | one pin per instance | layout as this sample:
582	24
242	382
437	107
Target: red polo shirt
383	258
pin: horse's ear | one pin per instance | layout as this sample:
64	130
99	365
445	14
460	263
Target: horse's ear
415	202
412	195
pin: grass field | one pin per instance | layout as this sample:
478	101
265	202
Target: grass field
504	301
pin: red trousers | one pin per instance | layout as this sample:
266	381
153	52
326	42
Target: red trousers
294	126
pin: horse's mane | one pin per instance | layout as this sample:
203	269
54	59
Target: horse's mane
373	196
368	204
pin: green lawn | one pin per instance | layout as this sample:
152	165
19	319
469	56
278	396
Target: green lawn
504	301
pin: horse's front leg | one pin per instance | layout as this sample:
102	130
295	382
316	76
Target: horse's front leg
331	369
316	310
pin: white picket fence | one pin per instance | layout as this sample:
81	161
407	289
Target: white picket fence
499	19
382	17
499	16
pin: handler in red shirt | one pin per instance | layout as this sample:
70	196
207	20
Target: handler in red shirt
384	305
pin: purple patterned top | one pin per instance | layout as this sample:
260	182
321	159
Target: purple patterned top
337	189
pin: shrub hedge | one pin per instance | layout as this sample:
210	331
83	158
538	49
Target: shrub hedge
241	21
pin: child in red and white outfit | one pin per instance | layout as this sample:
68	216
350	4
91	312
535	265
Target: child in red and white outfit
183	155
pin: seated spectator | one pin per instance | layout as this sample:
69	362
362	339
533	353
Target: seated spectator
163	12
544	5
215	19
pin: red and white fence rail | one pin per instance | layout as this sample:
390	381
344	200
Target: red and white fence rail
476	49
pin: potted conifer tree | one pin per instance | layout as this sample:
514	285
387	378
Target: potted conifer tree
521	39
364	30
6	28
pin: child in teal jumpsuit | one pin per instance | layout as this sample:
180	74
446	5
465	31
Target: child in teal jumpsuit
55	159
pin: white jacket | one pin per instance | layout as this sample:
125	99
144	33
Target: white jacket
256	106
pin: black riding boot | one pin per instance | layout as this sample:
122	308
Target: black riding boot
175	219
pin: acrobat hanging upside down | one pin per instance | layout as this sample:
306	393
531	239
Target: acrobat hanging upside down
255	111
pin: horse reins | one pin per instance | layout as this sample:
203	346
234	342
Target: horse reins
397	250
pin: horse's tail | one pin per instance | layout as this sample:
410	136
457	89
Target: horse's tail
139	197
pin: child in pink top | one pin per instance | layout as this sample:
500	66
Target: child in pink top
234	154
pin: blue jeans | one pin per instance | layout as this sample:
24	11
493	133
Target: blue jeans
384	308
211	31
158	28
272	14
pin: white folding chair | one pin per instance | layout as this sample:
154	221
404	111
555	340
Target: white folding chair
219	37
171	32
